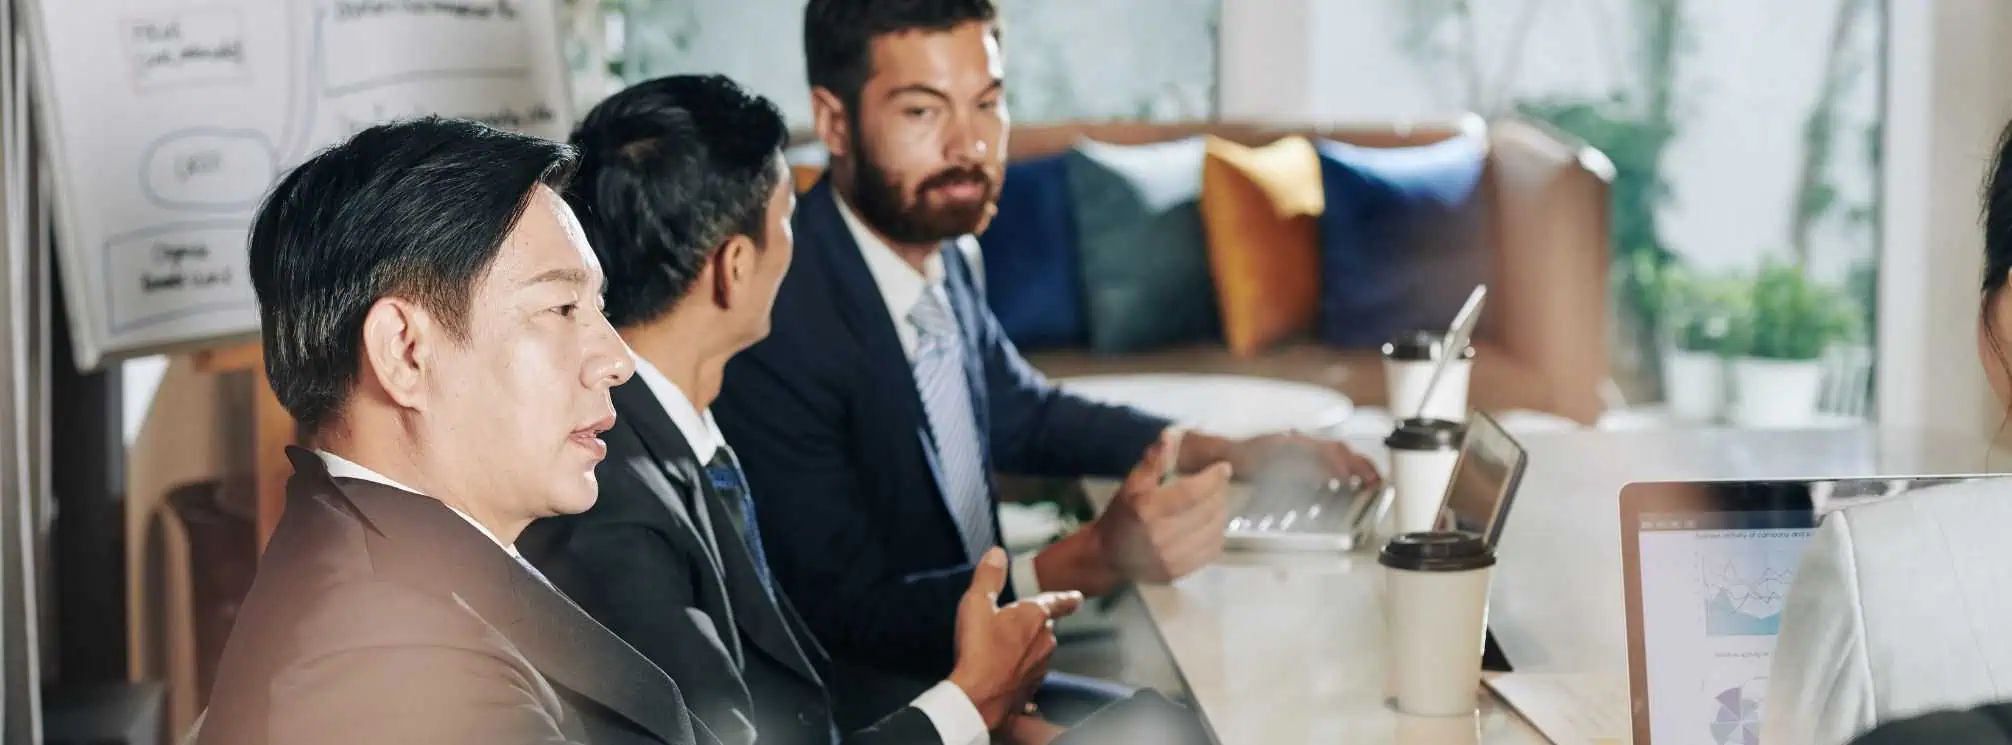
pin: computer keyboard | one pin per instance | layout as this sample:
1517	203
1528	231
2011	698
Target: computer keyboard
1304	514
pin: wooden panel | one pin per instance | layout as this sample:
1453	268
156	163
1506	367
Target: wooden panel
1046	139
273	430
229	359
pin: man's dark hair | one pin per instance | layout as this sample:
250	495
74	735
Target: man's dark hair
415	209
669	170
838	35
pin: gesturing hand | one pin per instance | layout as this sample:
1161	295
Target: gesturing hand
1158	532
1250	456
1002	653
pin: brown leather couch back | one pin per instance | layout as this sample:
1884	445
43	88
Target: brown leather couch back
1543	340
1046	139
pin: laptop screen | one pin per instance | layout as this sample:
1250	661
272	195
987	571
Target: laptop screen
1711	586
1484	478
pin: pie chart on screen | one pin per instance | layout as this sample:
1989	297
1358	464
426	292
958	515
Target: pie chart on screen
1738	721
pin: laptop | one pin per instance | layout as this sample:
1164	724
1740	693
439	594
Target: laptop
1293	505
1485	476
1706	567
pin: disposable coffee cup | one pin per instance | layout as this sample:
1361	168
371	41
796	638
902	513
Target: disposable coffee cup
1449	730
1408	360
1436	597
1422	454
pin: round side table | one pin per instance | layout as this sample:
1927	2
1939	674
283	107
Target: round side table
1227	405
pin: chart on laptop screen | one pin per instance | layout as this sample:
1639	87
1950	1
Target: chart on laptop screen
1713	586
1743	581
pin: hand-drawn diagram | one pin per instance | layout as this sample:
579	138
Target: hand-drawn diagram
190	48
175	271
350	64
209	169
371	33
353	47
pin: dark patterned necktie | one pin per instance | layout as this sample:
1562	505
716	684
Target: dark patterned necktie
732	486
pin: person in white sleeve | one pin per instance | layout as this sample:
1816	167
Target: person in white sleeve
1901	607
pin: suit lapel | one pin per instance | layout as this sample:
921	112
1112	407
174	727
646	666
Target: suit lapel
866	309
421	542
753	612
636	405
763	620
574	651
861	303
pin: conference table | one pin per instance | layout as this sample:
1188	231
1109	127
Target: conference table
1282	648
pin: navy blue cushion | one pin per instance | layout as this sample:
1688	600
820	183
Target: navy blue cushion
1032	277
1146	276
1400	239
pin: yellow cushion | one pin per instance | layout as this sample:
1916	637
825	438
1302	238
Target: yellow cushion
1259	209
806	176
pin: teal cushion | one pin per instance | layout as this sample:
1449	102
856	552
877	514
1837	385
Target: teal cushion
1145	262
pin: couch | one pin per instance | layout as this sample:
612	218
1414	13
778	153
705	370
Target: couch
1540	210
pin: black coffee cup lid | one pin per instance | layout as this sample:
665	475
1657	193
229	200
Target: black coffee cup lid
1419	345
1442	551
1425	434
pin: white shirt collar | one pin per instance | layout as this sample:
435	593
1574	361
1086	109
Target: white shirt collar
340	467
699	428
900	285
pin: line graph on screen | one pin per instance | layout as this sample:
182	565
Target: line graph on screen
1743	589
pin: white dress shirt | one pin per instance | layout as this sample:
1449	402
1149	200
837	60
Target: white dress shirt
1898	608
956	719
901	287
340	467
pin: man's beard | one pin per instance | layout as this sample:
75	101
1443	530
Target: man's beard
882	204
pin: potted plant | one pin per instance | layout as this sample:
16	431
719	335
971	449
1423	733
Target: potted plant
1778	346
1697	314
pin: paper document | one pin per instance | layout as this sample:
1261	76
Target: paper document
1569	709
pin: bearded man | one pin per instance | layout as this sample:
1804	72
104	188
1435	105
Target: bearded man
872	418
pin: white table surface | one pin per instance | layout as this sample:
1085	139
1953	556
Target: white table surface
1228	405
1289	649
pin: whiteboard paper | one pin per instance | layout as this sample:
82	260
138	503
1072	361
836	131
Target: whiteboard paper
168	120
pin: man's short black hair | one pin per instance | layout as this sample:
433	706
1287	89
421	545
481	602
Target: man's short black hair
838	35
416	209
669	170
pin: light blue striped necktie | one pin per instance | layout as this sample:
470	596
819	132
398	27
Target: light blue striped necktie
946	396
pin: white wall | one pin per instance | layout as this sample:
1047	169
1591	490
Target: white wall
1266	68
1065	59
1949	93
1734	167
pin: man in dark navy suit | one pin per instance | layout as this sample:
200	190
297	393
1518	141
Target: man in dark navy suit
686	200
872	418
